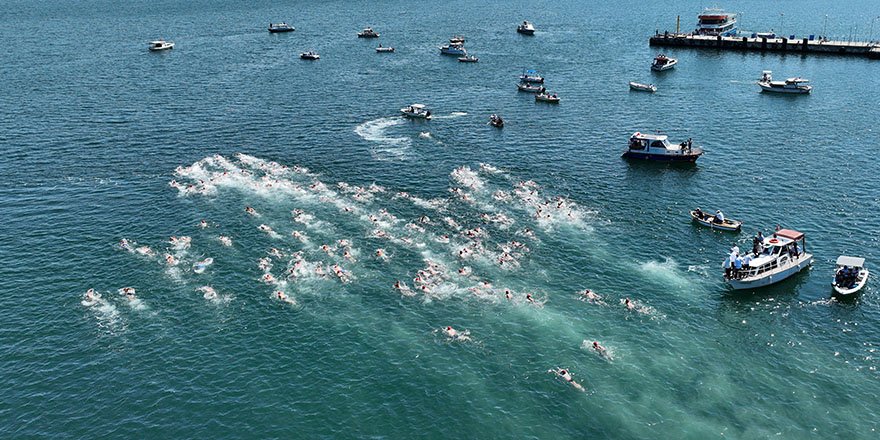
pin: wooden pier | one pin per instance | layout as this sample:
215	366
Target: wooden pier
763	44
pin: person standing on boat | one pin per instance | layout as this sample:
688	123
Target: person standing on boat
737	267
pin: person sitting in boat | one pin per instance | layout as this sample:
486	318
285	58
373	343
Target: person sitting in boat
699	213
719	217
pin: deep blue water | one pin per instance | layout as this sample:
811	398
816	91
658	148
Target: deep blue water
93	127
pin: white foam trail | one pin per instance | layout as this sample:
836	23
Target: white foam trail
389	147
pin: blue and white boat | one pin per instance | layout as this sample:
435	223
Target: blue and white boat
453	49
776	259
716	22
280	27
657	147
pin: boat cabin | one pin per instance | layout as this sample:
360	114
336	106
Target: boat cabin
653	143
777	250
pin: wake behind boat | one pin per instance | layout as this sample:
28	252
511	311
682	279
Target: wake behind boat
716	221
850	276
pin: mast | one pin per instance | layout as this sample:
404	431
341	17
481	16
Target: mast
677	23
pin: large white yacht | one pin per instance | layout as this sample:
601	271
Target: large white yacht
775	259
716	22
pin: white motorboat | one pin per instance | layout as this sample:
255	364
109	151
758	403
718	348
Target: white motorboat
381	49
790	85
552	98
456	39
531	76
416	111
158	45
496	121
657	147
310	55
776	259
453	49
642	87
468	59
850	275
526	28
368	33
663	62
531	88
280	27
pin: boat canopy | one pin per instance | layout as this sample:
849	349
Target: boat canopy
531	72
796	80
790	234
850	261
418	106
652	137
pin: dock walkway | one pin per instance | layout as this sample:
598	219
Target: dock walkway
764	44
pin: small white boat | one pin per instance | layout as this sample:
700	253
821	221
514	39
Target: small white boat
663	62
468	59
310	55
531	88
711	221
850	276
526	28
456	39
158	45
531	76
790	85
381	49
552	98
778	258
642	87
368	33
453	49
416	111
280	27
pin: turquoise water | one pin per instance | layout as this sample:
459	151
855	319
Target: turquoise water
94	129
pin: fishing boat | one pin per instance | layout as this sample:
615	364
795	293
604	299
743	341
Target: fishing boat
310	55
776	259
642	87
850	275
790	85
496	121
711	221
716	22
158	45
531	76
456	39
381	49
416	111
657	147
368	33
453	49
468	59
548	97
530	88
280	27
526	28
663	62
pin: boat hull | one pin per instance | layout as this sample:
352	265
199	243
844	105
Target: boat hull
802	263
685	158
280	31
663	68
526	31
843	291
792	91
728	225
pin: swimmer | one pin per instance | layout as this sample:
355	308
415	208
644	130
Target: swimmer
451	332
529	298
276	253
380	253
565	374
91	297
203	224
600	349
146	251
225	241
507	294
209	292
268	278
128	292
264	264
283	297
170	260
250	210
125	245
465	271
347	255
326	249
629	304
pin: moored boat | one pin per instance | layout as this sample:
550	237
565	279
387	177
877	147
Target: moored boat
368	33
526	28
416	111
158	45
716	221
531	76
310	55
453	49
496	121
531	88
662	62
280	27
468	59
791	85
642	87
551	98
850	275
386	49
657	147
775	259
